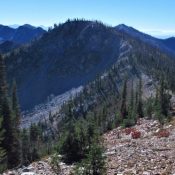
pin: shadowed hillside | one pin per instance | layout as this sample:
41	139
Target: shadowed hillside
70	55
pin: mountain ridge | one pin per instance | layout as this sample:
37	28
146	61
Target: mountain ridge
58	53
94	46
162	44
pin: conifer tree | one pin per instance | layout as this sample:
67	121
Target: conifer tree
34	140
26	153
123	109
8	134
131	105
95	162
3	83
140	104
164	98
162	101
9	142
2	151
15	105
16	126
5	111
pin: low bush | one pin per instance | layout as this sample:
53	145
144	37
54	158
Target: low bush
163	133
128	131
136	134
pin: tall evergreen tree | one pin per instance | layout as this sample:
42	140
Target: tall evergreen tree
164	98
6	113
9	143
123	109
15	105
3	94
16	126
2	151
162	101
26	153
94	164
140	104
8	134
3	83
34	140
131	105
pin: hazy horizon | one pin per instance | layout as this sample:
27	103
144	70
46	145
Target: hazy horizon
157	34
153	17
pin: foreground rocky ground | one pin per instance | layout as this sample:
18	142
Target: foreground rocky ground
145	149
42	167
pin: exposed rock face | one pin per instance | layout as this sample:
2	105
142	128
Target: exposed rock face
152	153
41	112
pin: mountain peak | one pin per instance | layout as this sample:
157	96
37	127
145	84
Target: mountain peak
127	29
122	26
28	26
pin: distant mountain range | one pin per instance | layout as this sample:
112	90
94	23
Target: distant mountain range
11	38
14	36
15	26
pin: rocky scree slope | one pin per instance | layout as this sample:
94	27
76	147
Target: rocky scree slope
151	152
145	149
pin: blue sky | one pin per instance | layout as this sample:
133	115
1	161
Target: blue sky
156	17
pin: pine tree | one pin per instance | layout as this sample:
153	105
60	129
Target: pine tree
123	109
15	105
16	126
162	101
9	142
131	117
5	111
149	107
164	98
131	105
156	98
8	134
96	160
26	153
74	141
34	140
3	83
94	163
2	151
140	104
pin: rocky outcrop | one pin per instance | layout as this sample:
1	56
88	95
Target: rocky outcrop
42	167
151	153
